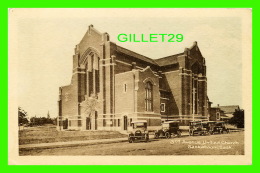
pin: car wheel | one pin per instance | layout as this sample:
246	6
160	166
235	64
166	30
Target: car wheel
179	134
167	135
190	133
146	138
156	136
130	139
161	134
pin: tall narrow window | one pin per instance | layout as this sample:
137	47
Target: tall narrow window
92	75
125	88
148	96
218	116
97	80
162	107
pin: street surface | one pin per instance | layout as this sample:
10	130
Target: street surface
218	144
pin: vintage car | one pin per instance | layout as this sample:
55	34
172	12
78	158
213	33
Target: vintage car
220	127
139	131
208	126
169	128
198	127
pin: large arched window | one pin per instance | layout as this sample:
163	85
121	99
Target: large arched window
92	74
148	96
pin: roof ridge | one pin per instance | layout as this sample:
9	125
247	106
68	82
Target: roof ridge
134	52
228	105
170	56
138	54
195	43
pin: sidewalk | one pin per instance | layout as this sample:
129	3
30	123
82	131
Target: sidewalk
71	143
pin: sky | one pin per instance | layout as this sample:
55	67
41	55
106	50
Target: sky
45	40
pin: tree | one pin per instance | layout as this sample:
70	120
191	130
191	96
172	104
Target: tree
39	121
54	121
49	120
238	118
22	116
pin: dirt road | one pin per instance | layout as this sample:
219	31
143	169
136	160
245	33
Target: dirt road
219	144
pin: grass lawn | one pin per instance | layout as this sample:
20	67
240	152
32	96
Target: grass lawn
48	134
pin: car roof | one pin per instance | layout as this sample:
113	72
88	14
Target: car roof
139	121
172	121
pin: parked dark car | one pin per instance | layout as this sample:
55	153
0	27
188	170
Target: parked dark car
199	128
169	128
139	131
208	126
220	127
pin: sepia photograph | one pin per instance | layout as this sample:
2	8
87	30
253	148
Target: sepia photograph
130	86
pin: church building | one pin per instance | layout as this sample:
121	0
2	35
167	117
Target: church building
112	86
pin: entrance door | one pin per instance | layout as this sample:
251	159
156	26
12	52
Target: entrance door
125	122
65	124
88	125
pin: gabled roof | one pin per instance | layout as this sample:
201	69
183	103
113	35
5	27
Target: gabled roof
146	68
135	55
172	59
168	60
90	29
229	109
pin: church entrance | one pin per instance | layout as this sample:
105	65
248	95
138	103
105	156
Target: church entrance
91	123
88	124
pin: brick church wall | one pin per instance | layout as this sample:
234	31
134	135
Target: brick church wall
122	76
